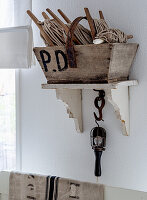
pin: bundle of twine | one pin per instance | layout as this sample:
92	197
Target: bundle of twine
109	35
82	34
58	36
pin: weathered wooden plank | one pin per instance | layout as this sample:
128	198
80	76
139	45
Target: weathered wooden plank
122	56
104	86
91	65
95	63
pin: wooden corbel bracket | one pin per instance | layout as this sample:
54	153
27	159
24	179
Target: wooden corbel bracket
116	93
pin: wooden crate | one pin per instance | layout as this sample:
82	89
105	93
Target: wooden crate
102	63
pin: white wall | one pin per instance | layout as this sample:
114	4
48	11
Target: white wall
50	144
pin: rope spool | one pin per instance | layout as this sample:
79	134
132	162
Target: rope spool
103	33
58	36
83	34
112	36
106	34
54	31
100	25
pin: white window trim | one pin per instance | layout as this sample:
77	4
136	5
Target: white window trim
18	121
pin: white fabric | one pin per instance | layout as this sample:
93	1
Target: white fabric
20	16
15	47
13	13
15	34
32	186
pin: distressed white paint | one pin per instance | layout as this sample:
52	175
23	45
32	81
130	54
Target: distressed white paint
91	86
119	98
73	103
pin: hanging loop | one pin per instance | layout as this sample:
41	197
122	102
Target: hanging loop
98	99
69	43
97	123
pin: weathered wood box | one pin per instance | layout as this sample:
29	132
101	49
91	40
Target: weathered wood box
102	63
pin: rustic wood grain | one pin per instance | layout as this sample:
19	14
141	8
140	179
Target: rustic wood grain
91	23
44	35
64	16
101	14
122	56
45	15
95	63
64	26
104	86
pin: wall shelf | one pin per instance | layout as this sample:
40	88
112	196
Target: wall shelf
117	94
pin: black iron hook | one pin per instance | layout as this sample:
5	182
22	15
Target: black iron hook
98	99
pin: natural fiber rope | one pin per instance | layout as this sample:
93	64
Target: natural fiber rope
103	32
58	35
107	34
82	34
112	36
54	31
100	25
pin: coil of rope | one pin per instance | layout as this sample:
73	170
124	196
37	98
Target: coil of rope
107	34
58	36
54	31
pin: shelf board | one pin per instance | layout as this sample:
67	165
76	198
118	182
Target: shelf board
91	86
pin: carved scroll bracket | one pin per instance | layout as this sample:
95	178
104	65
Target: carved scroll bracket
116	93
72	99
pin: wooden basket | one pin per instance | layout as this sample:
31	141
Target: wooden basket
94	63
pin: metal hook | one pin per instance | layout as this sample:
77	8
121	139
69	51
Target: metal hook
98	99
97	123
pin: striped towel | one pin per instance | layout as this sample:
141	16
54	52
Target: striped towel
28	186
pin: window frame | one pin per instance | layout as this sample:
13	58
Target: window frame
18	121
